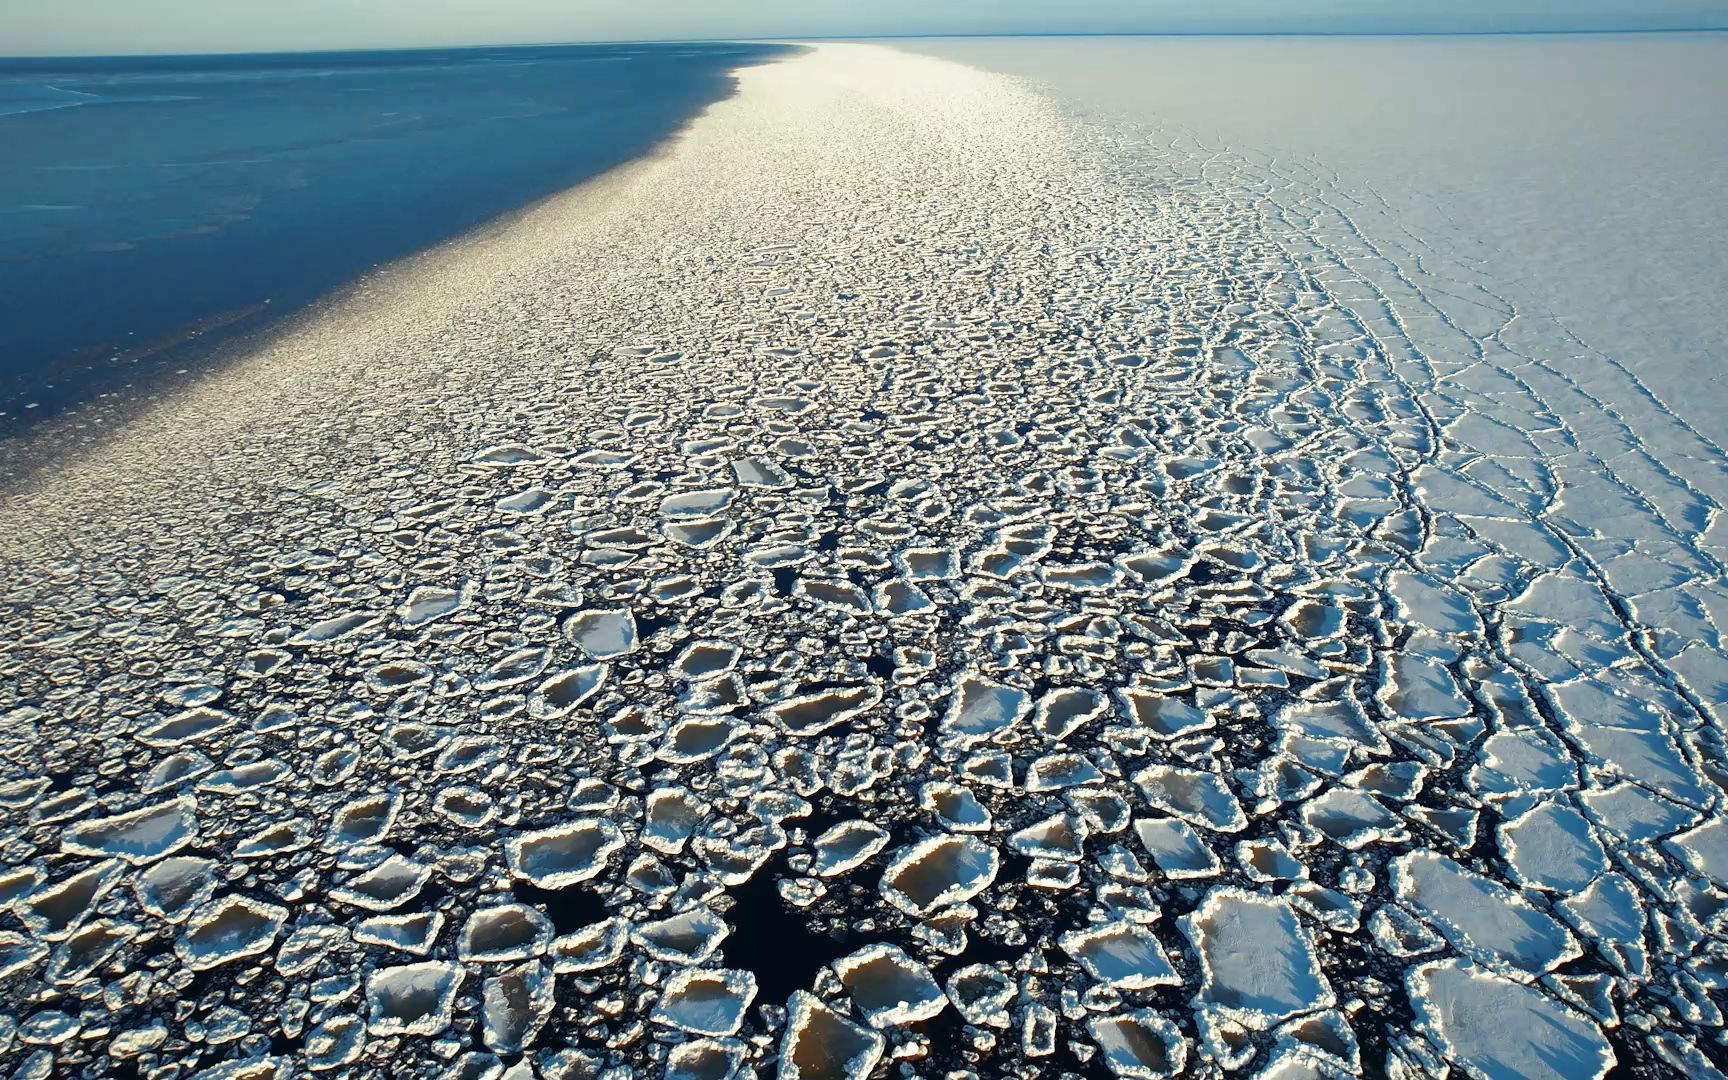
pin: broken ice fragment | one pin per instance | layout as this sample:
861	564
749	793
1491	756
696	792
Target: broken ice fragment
228	929
1121	954
504	932
939	871
603	634
1140	1045
1256	958
889	987
1501	1030
413	999
139	836
820	1044
706	1001
846	846
981	708
563	855
812	714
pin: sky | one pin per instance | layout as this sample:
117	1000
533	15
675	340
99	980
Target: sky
63	27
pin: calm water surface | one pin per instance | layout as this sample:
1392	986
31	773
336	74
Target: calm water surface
145	202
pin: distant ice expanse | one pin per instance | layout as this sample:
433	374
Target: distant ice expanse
1585	170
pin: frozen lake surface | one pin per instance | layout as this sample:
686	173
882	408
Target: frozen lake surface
928	576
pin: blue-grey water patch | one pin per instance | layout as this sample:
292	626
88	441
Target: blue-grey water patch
145	201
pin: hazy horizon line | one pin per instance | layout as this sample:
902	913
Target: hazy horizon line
1564	32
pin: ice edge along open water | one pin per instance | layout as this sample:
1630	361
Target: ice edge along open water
145	200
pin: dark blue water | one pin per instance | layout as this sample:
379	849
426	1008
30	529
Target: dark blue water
151	205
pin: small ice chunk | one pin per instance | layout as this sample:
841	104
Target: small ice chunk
1338	720
1609	911
1053	772
696	504
1063	712
705	1059
1353	818
1178	850
592	947
391	883
814	713
982	994
515	1005
363	821
697	738
956	807
336	1042
673	814
706	660
1705	849
1552	847
337	628
428	602
188	726
413	933
689	937
171	888
504	932
757	472
1418	687
1060	836
1166	717
1426	603
54	911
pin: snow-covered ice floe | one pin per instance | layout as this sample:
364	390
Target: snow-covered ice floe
984	593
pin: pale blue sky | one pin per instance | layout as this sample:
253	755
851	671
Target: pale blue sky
140	26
